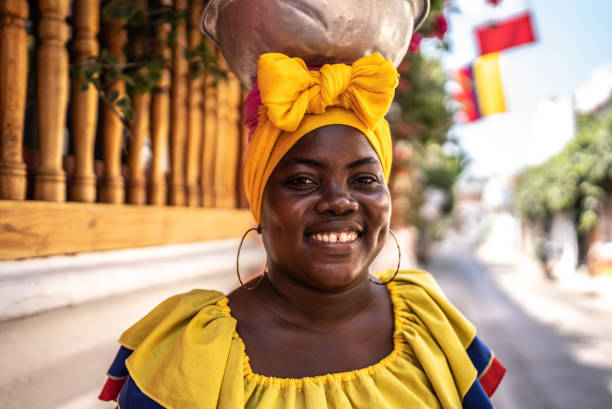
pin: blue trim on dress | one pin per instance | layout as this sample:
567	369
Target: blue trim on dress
475	398
131	397
117	368
480	355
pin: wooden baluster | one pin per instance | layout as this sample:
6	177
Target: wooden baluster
178	113
160	127
139	130
233	142
84	104
194	140
209	149
220	173
52	99
111	186
13	85
244	144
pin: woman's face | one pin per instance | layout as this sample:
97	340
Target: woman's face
326	209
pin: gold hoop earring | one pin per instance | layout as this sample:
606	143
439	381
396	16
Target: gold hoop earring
258	230
399	260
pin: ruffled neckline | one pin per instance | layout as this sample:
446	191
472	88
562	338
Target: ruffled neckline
399	350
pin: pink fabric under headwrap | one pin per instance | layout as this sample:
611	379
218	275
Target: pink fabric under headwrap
250	111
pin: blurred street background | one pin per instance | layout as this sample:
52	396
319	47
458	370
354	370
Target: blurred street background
522	242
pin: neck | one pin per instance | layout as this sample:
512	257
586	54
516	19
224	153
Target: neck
307	307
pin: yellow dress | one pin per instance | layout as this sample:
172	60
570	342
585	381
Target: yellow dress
187	354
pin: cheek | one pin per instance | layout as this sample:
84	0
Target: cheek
282	225
380	209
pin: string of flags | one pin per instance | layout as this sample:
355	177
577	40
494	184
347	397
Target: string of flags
480	89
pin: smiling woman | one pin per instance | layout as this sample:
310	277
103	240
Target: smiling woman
316	330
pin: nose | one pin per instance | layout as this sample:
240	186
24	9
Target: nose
337	200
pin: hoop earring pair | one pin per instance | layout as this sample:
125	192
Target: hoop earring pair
399	260
258	230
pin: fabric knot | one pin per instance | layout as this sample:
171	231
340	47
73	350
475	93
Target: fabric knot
289	90
335	82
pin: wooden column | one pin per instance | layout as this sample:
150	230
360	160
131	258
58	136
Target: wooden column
139	131
52	99
160	127
13	85
244	145
178	112
209	141
194	137
233	143
111	185
84	103
220	173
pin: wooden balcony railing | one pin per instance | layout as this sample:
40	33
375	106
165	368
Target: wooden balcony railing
174	180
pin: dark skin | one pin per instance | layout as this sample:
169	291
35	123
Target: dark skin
325	217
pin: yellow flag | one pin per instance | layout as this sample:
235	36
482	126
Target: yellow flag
488	84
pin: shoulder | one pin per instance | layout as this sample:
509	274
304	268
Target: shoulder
172	343
179	308
411	279
417	293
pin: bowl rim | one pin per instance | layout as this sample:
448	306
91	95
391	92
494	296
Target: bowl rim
209	18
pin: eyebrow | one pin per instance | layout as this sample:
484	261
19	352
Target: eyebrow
301	161
368	160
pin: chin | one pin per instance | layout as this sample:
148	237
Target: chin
333	277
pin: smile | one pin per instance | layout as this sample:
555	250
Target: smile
335	237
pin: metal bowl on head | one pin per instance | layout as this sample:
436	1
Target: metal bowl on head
318	31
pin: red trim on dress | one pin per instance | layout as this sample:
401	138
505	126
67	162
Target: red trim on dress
111	389
492	377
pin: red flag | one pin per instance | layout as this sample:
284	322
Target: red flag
505	34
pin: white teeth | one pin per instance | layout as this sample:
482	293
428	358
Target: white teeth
336	237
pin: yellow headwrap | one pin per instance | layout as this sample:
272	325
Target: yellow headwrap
296	101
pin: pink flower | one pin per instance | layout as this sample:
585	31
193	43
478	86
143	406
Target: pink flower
494	2
415	42
441	25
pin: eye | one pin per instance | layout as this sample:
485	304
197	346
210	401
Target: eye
301	182
366	179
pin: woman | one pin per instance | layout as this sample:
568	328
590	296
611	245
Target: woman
316	330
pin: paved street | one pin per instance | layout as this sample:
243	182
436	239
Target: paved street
554	339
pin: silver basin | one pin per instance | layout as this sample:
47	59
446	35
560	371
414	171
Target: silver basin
318	31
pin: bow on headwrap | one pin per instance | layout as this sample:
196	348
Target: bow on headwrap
296	101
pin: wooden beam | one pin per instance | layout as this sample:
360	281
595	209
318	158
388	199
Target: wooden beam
34	228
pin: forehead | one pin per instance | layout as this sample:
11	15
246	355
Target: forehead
332	142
